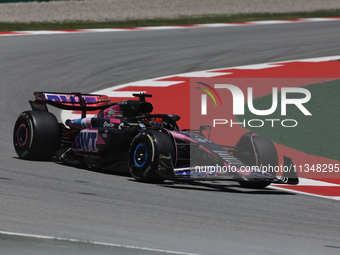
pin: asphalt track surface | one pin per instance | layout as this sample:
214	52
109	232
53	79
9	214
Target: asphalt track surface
45	198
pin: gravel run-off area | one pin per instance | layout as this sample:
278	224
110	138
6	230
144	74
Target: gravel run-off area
105	10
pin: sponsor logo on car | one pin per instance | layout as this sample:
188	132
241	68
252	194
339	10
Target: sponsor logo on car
70	98
108	124
86	140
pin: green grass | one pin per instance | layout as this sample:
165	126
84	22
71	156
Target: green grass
185	20
317	134
26	1
18	1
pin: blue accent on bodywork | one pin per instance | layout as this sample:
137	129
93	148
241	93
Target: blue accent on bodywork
146	155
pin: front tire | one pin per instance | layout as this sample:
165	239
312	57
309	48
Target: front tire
144	153
262	152
36	135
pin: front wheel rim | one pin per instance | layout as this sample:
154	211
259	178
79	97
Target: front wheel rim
140	155
22	135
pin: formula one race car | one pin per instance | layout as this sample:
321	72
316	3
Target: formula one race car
127	136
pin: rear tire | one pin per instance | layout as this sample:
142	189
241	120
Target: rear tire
144	154
265	154
36	135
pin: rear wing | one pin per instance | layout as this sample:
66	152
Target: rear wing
74	101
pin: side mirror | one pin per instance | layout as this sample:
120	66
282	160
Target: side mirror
204	128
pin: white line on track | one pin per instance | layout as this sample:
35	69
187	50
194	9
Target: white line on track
97	243
309	182
304	193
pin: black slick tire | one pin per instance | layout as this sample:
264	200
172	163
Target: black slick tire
36	135
265	154
144	154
